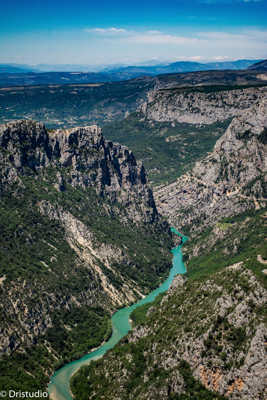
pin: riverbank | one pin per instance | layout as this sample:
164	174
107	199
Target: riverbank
59	386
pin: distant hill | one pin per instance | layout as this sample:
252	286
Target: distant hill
15	68
49	78
262	66
17	75
183	66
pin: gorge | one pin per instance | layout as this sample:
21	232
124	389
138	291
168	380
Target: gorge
83	235
59	385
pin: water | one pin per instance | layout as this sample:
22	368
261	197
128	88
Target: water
58	388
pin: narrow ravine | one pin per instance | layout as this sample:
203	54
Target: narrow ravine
58	387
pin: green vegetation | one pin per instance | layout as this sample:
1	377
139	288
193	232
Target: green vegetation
210	88
167	151
242	240
194	389
30	239
139	315
34	248
77	331
224	226
72	105
25	370
154	360
74	333
84	388
172	326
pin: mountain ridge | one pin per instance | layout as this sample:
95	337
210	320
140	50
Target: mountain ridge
24	76
236	64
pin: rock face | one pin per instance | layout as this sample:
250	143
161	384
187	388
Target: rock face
228	181
215	327
209	330
76	209
110	168
199	105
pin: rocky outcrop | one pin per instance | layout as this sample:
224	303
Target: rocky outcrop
75	206
199	105
228	181
91	161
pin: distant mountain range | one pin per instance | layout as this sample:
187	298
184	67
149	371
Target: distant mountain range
21	76
16	68
184	66
132	70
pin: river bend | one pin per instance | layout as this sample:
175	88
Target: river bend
58	387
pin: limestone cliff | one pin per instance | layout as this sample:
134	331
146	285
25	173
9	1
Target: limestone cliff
229	180
79	228
199	104
91	161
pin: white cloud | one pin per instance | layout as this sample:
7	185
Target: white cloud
220	58
106	30
145	37
152	37
228	37
148	37
198	46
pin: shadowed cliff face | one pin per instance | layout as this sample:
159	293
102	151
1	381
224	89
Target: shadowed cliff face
79	228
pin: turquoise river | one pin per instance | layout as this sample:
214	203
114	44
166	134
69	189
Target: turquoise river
58	387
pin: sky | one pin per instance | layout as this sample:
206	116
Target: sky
130	32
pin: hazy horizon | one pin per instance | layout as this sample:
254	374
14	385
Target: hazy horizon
108	33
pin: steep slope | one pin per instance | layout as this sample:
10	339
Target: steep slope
80	236
211	350
166	149
228	181
177	126
239	238
206	338
199	104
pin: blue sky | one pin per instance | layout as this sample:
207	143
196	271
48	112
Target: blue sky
107	32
